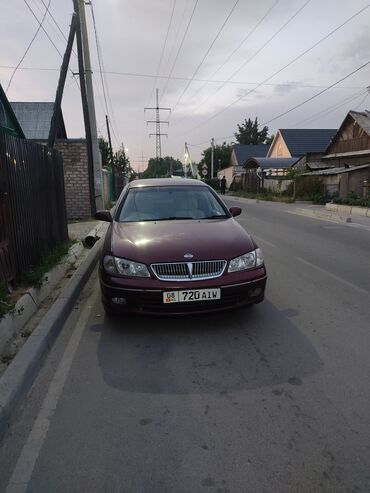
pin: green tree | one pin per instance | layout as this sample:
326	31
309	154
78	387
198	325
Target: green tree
249	133
105	152
221	158
121	161
162	168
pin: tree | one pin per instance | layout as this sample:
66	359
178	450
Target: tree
162	168
248	133
121	161
221	158
105	152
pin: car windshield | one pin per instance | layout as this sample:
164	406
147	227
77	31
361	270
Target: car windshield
171	203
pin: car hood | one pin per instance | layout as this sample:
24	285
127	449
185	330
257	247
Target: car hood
169	241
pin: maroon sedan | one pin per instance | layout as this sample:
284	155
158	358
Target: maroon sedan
173	248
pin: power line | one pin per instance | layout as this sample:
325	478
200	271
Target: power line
211	81
316	95
180	47
329	109
206	54
28	47
163	49
104	82
364	98
47	35
239	46
280	70
257	52
58	27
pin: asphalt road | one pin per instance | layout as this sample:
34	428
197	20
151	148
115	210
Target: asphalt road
274	398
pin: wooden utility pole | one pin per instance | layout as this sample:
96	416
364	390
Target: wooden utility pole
61	83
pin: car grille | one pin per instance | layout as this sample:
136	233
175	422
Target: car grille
189	271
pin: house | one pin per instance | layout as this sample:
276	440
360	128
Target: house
296	142
267	173
35	120
8	120
347	158
344	181
350	146
239	156
312	161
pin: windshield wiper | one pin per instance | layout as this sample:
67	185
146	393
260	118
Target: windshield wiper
221	216
170	218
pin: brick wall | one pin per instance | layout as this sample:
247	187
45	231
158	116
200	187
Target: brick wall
76	178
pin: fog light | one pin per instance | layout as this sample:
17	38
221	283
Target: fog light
119	301
255	292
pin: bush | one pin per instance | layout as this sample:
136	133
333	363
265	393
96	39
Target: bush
353	199
307	187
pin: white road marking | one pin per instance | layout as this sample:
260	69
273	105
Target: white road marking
26	462
327	273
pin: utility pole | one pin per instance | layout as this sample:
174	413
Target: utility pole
91	107
110	142
188	160
212	155
158	134
61	83
85	108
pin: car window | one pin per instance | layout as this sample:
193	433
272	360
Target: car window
166	203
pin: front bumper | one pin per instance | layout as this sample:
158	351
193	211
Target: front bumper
149	300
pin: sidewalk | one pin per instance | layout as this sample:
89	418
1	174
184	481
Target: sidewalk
326	213
28	332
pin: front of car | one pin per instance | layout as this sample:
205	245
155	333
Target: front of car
174	248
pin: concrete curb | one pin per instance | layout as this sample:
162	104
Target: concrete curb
18	377
325	215
28	304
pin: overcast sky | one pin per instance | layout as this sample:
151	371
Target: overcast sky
215	63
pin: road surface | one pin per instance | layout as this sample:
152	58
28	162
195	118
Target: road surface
274	398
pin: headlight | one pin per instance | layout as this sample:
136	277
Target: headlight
123	267
247	261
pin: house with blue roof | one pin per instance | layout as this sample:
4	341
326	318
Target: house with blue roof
239	156
296	142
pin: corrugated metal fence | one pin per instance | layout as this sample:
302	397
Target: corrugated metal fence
32	204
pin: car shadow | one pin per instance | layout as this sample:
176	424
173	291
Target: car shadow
226	352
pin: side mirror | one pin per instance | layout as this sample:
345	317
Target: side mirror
235	211
104	216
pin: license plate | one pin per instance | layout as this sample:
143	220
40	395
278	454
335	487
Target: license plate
191	295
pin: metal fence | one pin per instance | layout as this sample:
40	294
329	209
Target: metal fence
32	205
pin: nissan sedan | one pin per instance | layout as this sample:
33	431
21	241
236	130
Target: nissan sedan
173	247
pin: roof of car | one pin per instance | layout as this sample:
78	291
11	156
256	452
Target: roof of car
161	182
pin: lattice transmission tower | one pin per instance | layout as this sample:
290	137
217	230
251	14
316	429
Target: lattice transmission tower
158	134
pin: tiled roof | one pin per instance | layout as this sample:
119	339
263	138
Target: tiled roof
299	141
35	119
244	152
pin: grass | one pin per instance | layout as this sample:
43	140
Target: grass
5	307
36	276
272	197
